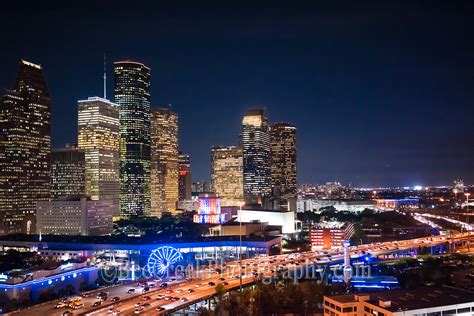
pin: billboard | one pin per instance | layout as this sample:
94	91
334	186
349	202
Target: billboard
209	209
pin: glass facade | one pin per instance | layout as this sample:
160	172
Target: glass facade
227	174
25	144
164	161
283	150
256	156
184	180
67	172
98	136
132	94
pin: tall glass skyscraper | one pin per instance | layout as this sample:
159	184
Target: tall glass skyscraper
256	156
227	174
67	172
283	149
25	144
184	180
132	94
98	137
165	161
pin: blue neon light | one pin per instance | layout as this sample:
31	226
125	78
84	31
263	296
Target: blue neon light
162	258
50	279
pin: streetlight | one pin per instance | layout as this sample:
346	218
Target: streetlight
240	244
467	206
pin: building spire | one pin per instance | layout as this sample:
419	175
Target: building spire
105	79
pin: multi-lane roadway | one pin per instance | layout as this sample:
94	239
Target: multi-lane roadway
181	293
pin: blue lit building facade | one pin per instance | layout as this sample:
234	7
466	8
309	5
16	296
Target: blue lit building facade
138	249
132	94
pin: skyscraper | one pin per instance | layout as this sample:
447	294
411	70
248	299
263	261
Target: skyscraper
25	143
227	174
98	136
67	172
283	150
256	156
132	94
164	161
184	179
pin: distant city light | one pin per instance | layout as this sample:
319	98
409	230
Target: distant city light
417	188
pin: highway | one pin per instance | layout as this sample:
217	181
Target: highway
181	293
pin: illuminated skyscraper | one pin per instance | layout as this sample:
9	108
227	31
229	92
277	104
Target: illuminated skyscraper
98	136
184	180
132	94
164	161
25	144
256	156
227	174
67	172
283	149
200	187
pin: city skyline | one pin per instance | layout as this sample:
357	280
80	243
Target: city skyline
412	85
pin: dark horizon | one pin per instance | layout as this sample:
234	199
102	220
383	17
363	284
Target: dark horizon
381	94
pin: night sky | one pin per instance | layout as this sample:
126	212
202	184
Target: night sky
382	93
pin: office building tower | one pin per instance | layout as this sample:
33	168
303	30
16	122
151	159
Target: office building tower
74	216
201	187
67	172
164	161
283	167
255	140
25	144
132	94
184	179
98	137
227	174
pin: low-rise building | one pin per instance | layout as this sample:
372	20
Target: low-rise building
427	301
285	219
330	235
354	206
74	216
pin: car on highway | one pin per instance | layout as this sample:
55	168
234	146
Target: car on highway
190	290
160	309
222	279
61	305
145	289
163	284
86	295
97	303
183	299
146	305
160	297
146	298
138	304
169	291
76	304
115	299
211	284
131	291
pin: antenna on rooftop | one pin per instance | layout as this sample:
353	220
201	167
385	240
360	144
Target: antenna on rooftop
105	79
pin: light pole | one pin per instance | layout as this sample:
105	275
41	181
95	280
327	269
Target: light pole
467	206
240	245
